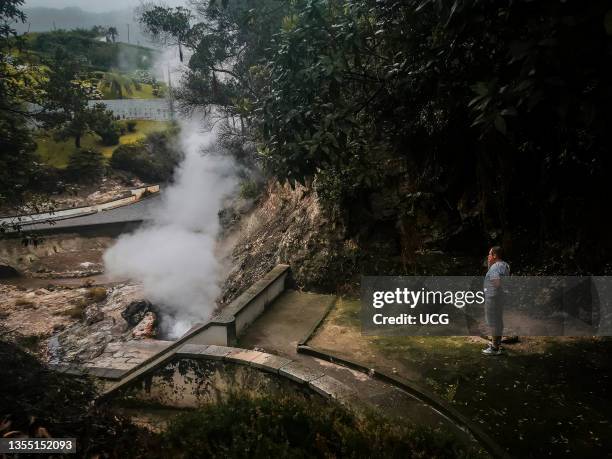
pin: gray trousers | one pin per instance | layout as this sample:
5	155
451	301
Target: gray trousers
494	315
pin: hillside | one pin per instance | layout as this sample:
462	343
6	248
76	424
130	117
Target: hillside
42	19
87	46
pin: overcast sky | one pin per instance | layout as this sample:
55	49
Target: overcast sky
94	5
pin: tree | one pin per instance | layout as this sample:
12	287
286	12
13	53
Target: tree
229	42
116	84
85	165
168	25
502	105
102	122
19	83
65	104
112	33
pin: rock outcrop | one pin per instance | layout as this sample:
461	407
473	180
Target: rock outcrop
286	226
75	324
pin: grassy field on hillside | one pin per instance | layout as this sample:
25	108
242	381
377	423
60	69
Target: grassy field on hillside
145	92
56	153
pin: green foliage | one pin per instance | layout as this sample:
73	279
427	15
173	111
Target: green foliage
227	44
164	24
66	107
18	84
131	126
153	160
85	166
101	121
117	84
18	166
250	189
287	427
500	103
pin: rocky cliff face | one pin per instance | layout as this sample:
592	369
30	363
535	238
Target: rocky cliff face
287	226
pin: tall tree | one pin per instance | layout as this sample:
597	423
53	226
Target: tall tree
170	26
113	33
19	83
66	109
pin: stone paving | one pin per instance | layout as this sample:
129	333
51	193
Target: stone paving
123	356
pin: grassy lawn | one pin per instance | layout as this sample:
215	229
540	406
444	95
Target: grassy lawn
145	92
56	153
547	397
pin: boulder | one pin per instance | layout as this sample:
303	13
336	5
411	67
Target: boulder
136	311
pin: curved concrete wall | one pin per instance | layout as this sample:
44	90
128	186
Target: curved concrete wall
203	374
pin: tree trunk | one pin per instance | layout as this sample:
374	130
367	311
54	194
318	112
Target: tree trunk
77	141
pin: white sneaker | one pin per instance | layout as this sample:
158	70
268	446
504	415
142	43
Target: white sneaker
490	350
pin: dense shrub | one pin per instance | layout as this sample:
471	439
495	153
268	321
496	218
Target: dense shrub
498	109
108	129
131	126
294	427
110	137
152	160
33	398
85	165
134	158
250	189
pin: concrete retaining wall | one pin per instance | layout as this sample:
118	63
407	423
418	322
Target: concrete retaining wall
71	212
200	374
224	329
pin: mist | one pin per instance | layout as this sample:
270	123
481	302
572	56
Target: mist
173	256
97	7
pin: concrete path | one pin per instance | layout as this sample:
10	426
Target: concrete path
290	318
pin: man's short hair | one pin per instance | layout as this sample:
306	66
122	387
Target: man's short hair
497	251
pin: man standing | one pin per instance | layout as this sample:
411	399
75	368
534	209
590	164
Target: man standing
494	297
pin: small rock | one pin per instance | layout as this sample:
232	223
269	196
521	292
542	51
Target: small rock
147	327
93	315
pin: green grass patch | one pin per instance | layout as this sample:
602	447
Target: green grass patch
56	153
547	397
145	92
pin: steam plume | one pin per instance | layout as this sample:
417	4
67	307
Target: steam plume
174	255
